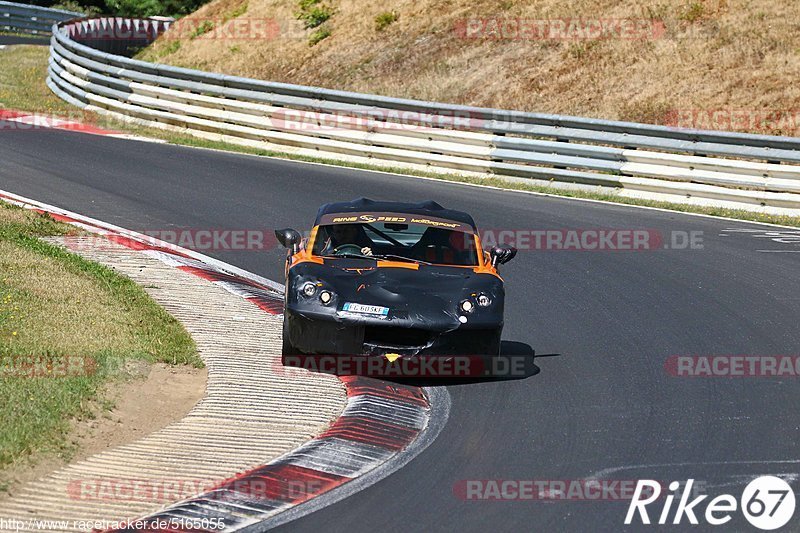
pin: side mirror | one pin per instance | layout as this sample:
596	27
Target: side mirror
502	254
289	238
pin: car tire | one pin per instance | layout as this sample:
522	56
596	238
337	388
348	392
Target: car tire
495	344
288	347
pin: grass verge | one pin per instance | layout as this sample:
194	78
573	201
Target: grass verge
69	329
26	68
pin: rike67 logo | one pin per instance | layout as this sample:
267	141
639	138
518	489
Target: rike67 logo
767	503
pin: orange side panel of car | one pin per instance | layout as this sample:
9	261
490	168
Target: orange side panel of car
485	261
304	254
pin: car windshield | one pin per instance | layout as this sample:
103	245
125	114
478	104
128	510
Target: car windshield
397	242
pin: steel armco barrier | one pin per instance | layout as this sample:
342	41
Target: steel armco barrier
742	170
31	19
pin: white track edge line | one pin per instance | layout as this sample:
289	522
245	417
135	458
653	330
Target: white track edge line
146	239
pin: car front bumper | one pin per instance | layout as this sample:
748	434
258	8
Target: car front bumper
326	336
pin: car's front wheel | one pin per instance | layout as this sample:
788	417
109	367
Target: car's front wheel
493	347
288	347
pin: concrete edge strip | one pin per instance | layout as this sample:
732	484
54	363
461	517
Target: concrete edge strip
383	427
354	453
439	400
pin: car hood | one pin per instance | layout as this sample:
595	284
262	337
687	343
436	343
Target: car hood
428	296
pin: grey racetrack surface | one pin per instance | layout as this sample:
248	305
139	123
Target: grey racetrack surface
602	403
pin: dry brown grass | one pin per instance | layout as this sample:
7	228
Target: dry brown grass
738	55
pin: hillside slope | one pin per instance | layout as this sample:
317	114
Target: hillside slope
723	64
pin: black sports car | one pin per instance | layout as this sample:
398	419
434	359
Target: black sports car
378	278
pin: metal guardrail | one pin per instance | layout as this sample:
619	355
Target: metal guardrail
31	19
751	170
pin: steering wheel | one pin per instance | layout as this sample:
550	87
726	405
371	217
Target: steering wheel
345	249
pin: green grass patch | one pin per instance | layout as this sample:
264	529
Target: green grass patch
316	17
313	14
318	35
170	48
69	328
202	28
385	19
238	12
24	69
692	12
77	7
149	8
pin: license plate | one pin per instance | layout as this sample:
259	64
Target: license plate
365	309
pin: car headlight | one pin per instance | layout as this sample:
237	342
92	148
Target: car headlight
325	297
309	289
467	306
484	301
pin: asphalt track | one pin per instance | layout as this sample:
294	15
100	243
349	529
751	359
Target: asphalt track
602	404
